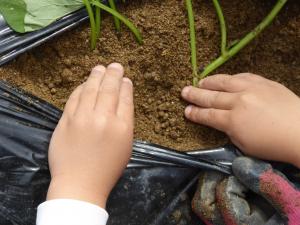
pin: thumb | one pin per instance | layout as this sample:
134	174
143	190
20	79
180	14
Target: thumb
260	177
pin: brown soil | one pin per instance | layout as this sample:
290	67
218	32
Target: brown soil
161	67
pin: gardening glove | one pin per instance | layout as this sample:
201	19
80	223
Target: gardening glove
221	200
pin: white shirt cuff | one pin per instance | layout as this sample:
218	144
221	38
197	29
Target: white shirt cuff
70	212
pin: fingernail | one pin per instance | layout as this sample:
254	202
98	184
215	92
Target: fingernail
188	110
185	91
99	68
127	80
116	66
200	83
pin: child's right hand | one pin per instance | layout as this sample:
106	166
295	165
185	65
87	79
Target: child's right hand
260	116
92	143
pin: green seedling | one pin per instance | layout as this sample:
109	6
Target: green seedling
227	51
116	20
93	23
193	46
98	21
95	20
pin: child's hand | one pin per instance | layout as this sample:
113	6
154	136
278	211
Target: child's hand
260	116
92	143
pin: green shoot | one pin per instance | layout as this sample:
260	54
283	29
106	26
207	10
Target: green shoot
222	26
227	54
98	22
123	19
95	20
92	22
116	20
189	7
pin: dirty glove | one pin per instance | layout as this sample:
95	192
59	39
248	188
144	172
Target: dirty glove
221	200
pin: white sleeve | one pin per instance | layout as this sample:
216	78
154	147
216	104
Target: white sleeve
70	212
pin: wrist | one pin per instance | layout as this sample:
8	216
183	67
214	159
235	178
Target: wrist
296	160
295	150
66	188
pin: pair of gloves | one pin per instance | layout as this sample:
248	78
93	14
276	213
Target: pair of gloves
223	200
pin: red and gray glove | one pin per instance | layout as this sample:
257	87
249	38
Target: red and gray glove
221	200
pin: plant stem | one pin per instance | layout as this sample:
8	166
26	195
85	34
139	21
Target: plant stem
116	20
222	26
193	47
98	22
130	25
92	22
245	41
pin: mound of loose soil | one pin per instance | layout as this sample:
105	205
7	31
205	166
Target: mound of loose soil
161	67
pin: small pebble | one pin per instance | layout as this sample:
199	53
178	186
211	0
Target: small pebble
50	85
174	135
53	91
67	62
165	125
150	100
172	121
63	101
66	73
161	114
157	128
166	116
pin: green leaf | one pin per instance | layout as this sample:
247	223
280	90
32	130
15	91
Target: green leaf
30	15
41	13
14	13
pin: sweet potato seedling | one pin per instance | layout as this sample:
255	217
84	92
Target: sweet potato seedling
116	20
227	52
94	8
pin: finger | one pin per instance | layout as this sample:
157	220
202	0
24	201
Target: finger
73	101
260	177
125	107
250	77
108	96
207	98
231	200
215	118
90	89
204	200
223	82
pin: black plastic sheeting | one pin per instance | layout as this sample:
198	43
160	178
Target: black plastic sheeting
13	44
158	194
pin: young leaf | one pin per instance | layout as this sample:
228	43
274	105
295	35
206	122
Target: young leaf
14	13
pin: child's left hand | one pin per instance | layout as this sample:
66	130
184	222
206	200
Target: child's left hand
92	143
260	116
